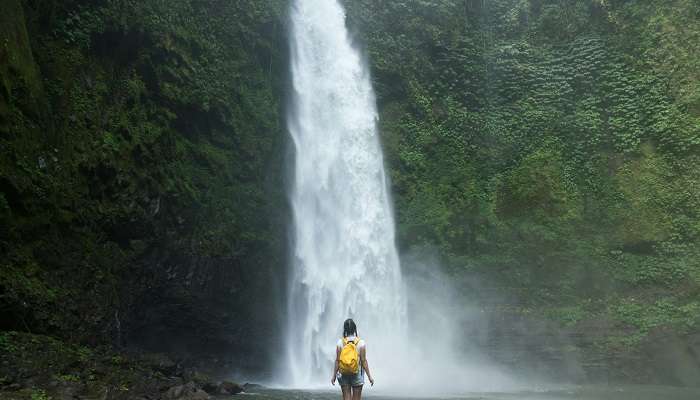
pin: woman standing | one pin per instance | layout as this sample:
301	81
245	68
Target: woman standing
351	381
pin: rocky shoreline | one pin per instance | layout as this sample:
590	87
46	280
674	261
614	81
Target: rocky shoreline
38	367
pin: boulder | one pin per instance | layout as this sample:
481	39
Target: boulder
210	387
247	387
167	383
227	387
188	391
203	381
198	394
174	392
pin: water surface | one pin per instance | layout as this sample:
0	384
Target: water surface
564	393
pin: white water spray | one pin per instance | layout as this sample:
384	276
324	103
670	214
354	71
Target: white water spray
345	262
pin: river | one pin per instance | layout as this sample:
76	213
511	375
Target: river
603	392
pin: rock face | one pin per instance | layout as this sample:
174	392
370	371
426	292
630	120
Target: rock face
179	227
673	359
535	347
198	304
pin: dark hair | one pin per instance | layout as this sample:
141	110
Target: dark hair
349	328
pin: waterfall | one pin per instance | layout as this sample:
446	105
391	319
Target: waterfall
345	262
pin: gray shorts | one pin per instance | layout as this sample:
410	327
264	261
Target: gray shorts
357	379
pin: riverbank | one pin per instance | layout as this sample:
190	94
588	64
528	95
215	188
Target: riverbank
39	367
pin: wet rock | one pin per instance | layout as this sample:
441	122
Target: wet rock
247	387
210	387
202	380
199	395
227	387
189	391
174	392
165	384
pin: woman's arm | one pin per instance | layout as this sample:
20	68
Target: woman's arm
365	366
335	367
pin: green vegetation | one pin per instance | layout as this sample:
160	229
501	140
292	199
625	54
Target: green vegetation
40	395
60	370
136	138
550	150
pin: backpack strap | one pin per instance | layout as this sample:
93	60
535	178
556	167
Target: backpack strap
356	341
359	355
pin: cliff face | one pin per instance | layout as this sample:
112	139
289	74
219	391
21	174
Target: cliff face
548	152
141	195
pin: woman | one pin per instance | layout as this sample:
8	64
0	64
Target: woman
351	384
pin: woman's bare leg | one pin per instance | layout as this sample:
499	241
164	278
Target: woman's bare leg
347	393
356	392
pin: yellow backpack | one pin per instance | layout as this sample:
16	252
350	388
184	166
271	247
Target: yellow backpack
349	360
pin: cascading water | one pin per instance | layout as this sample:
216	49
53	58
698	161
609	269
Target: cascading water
345	261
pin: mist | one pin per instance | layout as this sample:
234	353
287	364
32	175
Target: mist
445	331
